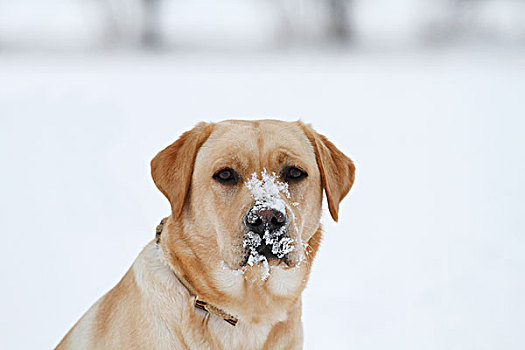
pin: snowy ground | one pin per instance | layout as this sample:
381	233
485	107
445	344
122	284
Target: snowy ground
429	250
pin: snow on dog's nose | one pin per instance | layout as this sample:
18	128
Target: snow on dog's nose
266	221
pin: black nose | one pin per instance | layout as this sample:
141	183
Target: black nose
258	220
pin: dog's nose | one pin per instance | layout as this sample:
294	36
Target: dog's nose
260	220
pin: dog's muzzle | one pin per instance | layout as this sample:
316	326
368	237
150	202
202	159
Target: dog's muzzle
263	222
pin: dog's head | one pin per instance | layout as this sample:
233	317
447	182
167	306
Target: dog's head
249	193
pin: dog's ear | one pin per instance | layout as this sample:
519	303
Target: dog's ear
337	170
172	167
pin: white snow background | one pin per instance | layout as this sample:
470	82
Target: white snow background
429	251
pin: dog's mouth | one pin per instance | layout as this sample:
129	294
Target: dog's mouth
272	258
272	248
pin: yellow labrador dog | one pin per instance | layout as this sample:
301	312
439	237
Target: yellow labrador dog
227	268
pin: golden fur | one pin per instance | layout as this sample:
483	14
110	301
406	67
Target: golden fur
202	243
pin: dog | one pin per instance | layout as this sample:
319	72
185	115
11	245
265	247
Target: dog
228	266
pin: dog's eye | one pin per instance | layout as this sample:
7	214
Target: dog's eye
226	176
293	173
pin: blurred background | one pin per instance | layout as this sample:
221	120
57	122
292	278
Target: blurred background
427	97
259	25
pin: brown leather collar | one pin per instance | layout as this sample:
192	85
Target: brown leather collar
198	303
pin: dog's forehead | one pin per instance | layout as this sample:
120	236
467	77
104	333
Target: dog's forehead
257	141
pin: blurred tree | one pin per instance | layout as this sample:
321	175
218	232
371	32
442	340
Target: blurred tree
151	27
339	26
112	31
311	20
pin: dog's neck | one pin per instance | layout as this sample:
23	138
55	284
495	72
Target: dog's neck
198	302
168	303
251	302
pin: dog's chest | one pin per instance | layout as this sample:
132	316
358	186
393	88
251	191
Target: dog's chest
188	326
242	336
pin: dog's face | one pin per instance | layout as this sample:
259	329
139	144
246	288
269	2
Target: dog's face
250	193
260	189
